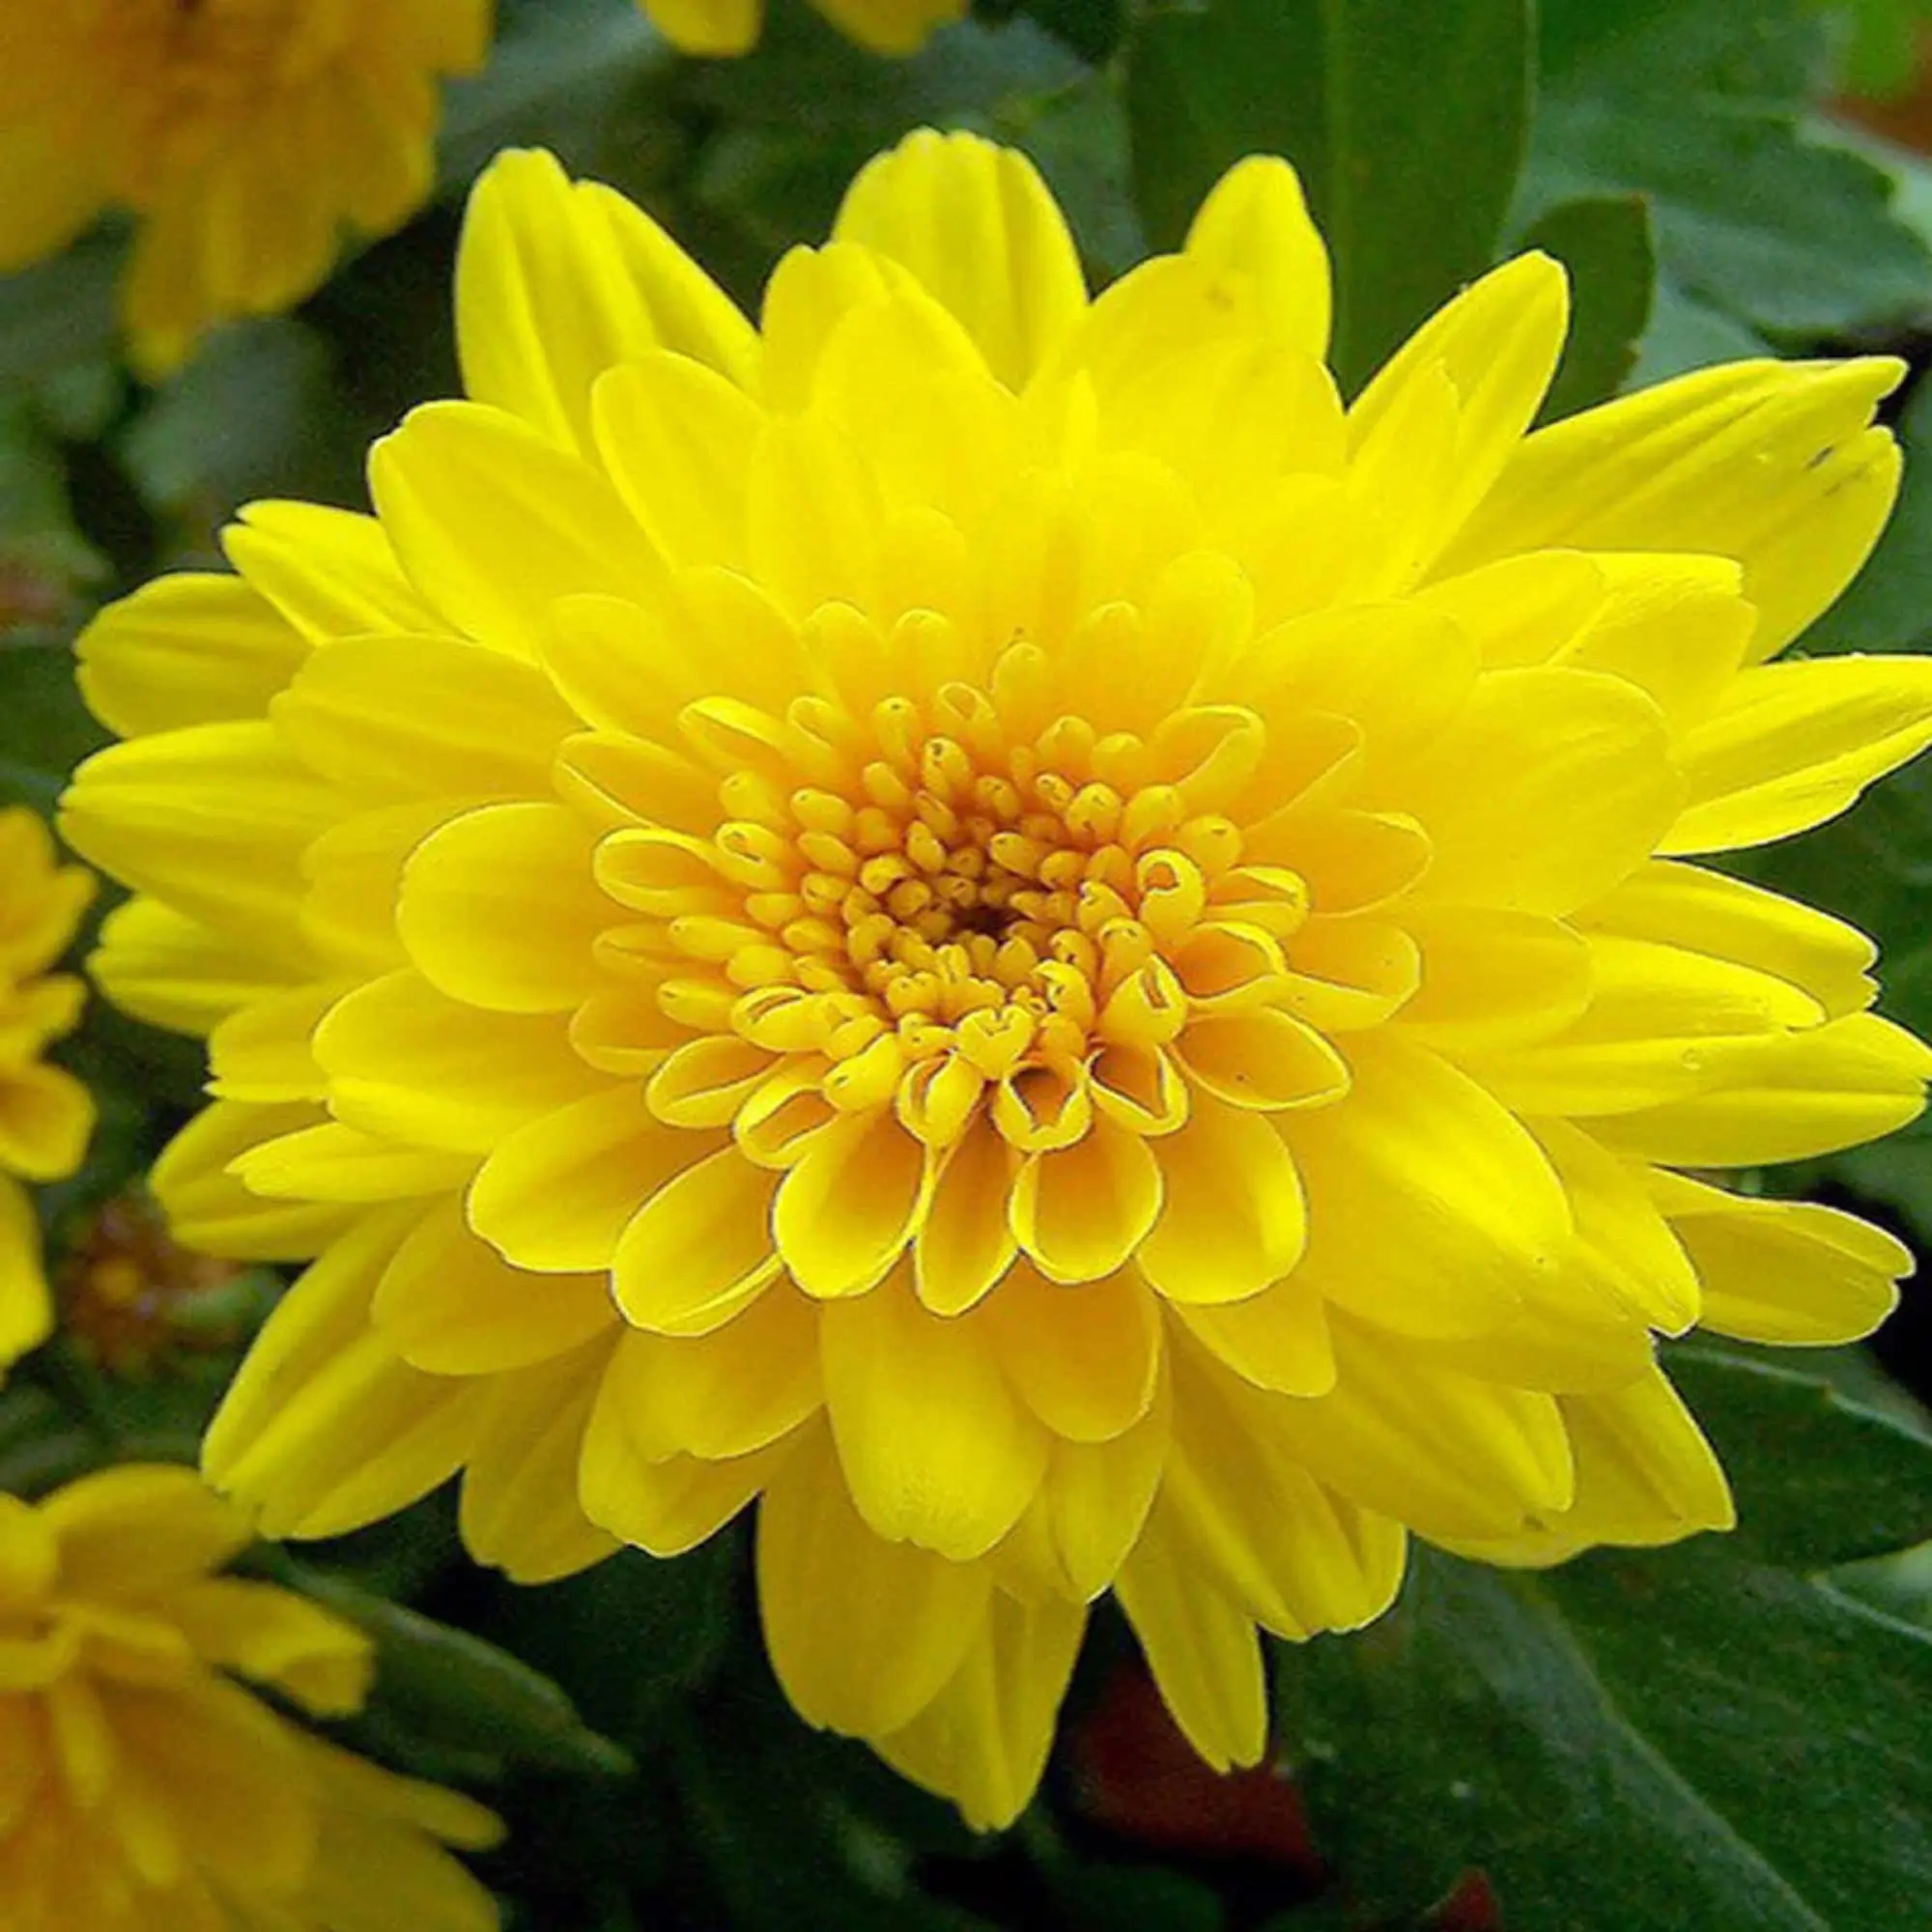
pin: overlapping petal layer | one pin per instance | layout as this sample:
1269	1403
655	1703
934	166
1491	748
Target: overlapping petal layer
244	136
986	917
46	1114
146	1783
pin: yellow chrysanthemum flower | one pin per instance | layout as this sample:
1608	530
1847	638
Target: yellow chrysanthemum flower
143	1787
46	1115
986	917
721	27
243	135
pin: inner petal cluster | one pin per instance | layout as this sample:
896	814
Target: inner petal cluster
968	918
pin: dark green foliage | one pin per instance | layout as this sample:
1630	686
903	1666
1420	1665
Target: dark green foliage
1407	124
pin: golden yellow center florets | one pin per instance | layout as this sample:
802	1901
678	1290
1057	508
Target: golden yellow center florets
932	900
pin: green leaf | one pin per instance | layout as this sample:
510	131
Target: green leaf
1078	139
571	75
1698	105
1685	333
1092	28
1878	43
796	123
1407	123
1830	1479
44	561
62	311
629	1636
784	1848
1700	1738
255	414
1604	242
455	1692
44	728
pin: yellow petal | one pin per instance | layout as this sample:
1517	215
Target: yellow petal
497	907
212	819
558	281
1769	463
728	1393
1492	978
1232	1218
265	1051
272	1636
983	1741
173	972
890	26
400	717
848	1209
557	1194
1292	1555
979	229
712	28
332	1162
1497	343
330	573
1203	1651
1783	1271
1079	1212
1277	1339
520	1508
407	1062
1086	1360
190	649
1786	1098
26	1313
938	1449
1253	234
665	1507
1644	1476
1708	912
1794	744
1265	1060
139	1529
1623	1243
965	1244
1089	1510
211	1210
462	489
1662	1022
864	1633
1579	787
1427	1445
45	1119
240	1802
449	1304
677	441
698	1248
1429	1204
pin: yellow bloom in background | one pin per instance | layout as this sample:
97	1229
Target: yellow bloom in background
720	27
243	135
145	1787
46	1114
986	918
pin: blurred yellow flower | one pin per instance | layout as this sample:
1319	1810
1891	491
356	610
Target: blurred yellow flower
145	1787
719	27
986	916
46	1115
243	135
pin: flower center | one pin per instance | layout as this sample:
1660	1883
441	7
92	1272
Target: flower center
953	884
